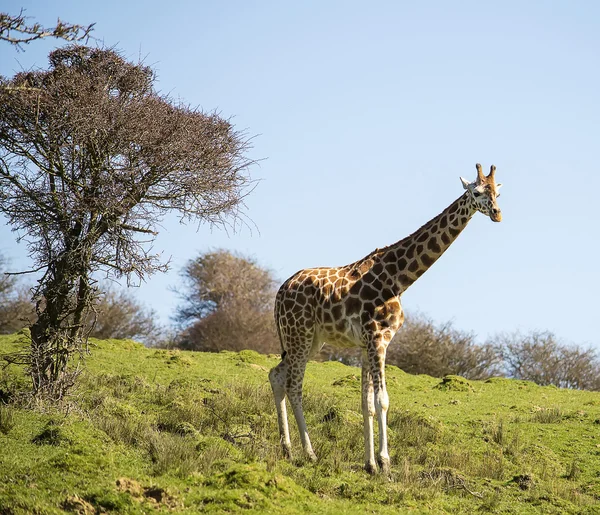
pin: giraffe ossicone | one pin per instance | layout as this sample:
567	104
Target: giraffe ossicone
358	305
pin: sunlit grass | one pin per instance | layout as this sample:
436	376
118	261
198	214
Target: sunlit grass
199	432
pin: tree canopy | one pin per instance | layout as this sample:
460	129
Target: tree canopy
92	158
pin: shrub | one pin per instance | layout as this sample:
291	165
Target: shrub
540	357
227	305
423	347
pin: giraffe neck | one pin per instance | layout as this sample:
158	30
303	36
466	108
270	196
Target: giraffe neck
408	259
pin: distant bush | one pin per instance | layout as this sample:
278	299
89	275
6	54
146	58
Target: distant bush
118	314
16	308
227	305
539	357
423	347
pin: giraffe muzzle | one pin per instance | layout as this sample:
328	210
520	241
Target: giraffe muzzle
496	215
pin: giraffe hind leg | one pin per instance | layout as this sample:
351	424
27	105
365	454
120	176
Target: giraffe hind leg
293	387
278	377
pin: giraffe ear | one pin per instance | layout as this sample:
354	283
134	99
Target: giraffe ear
465	183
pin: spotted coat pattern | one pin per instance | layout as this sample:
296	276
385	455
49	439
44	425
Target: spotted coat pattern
358	305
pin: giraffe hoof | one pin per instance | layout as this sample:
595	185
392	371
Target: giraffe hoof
384	466
371	468
287	452
312	457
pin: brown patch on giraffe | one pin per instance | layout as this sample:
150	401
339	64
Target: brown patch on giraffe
377	269
387	294
336	311
354	274
381	312
413	266
445	238
410	252
454	207
443	222
420	249
423	237
367	292
464	220
368	306
434	246
340	326
353	305
427	260
394	305
355	288
300	298
454	232
365	266
389	257
369	278
404	280
419	272
288	304
392	269
377	284
401	264
327	290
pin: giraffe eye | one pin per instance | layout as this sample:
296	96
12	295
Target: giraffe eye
477	193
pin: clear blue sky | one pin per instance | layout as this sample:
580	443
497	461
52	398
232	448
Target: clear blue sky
366	114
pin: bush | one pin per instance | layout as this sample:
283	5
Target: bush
422	347
539	357
16	308
118	314
227	305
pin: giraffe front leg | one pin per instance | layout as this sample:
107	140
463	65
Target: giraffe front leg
277	377
368	411
381	404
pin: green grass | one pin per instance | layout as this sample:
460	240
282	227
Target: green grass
151	431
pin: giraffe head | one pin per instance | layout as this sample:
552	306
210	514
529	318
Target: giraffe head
483	193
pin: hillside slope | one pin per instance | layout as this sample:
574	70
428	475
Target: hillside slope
153	430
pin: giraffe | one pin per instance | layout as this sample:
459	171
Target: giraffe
359	305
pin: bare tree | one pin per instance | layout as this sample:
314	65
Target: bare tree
539	357
91	160
16	30
118	314
227	304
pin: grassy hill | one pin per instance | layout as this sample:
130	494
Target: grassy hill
167	431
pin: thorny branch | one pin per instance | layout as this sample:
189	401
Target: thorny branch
15	30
